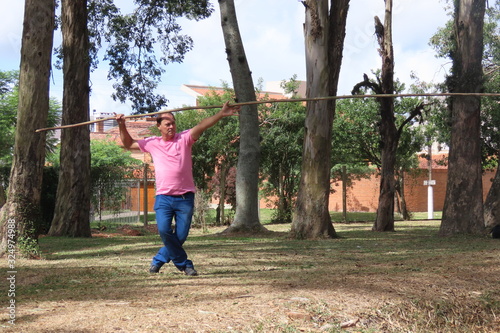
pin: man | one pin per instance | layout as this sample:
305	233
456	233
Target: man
175	187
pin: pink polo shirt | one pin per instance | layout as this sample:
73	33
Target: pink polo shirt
173	162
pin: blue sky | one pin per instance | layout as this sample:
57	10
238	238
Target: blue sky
272	32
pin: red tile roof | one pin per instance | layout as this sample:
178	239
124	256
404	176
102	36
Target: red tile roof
204	90
439	161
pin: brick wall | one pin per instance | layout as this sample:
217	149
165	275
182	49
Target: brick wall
363	195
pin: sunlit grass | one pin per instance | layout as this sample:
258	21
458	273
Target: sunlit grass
431	282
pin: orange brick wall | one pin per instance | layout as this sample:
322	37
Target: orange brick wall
363	195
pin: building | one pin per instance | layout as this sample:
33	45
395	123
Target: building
362	196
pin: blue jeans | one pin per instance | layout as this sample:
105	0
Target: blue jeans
168	207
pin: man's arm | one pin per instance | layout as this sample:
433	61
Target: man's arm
127	140
206	123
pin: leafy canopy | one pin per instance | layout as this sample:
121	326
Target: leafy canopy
9	100
135	39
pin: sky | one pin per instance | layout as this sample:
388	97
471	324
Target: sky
272	33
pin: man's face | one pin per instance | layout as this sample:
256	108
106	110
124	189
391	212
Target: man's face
167	127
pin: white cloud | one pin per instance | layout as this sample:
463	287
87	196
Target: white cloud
11	25
413	25
272	33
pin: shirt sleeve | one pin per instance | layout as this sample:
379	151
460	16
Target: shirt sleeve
143	144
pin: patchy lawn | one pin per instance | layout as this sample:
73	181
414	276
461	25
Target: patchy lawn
410	280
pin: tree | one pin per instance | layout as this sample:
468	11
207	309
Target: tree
22	208
135	39
127	34
442	41
247	178
324	32
282	141
463	207
111	166
490	113
216	152
9	103
72	211
9	98
356	139
389	132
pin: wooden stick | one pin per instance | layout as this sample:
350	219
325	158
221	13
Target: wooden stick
311	99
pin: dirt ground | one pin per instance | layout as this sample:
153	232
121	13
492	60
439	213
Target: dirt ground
261	286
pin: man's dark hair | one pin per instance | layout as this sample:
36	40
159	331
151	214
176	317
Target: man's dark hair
162	116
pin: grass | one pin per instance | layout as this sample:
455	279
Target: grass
266	216
409	280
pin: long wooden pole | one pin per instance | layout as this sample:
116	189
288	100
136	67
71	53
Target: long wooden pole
286	100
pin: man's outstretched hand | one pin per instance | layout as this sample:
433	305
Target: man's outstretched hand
230	110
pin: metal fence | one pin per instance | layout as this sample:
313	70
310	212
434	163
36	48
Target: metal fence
135	202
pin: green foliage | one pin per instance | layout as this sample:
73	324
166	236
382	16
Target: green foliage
217	148
356	139
110	166
442	42
9	98
110	154
28	246
8	80
133	41
28	219
8	113
282	132
357	142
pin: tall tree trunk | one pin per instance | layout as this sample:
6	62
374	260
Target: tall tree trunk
247	178
463	207
3	198
400	192
72	212
492	203
222	192
324	38
23	203
389	137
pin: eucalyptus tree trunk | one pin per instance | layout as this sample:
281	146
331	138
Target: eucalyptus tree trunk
387	129
463	206
222	193
247	177
22	209
3	198
72	211
324	33
492	203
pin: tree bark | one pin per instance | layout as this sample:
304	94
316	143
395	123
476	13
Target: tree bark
324	38
463	207
492	203
247	178
23	203
72	212
389	138
3	198
401	197
222	193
